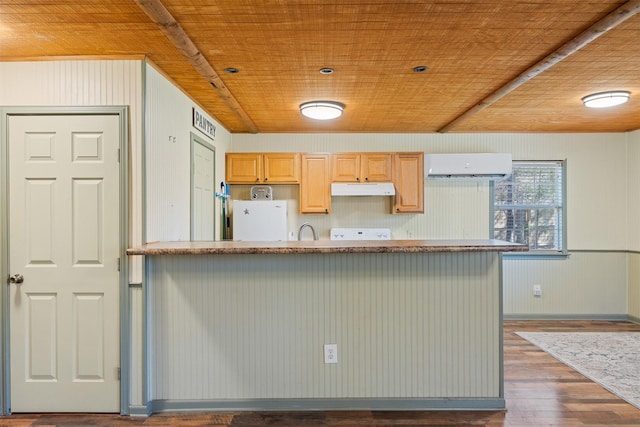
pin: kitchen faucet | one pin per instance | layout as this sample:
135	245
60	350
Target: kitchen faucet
306	224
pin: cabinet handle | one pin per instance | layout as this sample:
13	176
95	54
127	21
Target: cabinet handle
257	179
358	179
326	210
366	178
266	179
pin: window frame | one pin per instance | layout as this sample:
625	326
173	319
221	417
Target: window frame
536	253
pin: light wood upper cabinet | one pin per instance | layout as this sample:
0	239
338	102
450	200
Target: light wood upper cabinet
243	168
283	168
316	171
345	167
409	182
265	168
377	167
315	183
362	167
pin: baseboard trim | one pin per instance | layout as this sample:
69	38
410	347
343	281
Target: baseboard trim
139	410
611	317
428	404
633	319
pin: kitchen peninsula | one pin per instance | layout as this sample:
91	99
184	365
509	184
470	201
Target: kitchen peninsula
242	325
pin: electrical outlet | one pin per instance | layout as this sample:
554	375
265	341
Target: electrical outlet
537	290
331	353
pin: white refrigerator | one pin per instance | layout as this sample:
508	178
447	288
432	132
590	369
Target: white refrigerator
260	220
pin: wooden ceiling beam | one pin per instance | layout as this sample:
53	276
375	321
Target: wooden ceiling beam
174	32
613	19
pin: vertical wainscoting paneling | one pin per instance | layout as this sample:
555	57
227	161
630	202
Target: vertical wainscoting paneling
94	83
455	210
136	345
585	284
585	153
633	293
168	164
87	83
253	327
633	186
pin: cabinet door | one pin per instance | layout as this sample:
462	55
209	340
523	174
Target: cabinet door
376	167
409	181
345	167
283	168
243	168
315	184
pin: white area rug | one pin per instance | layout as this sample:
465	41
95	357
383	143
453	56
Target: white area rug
612	359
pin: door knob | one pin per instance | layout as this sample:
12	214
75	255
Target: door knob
16	278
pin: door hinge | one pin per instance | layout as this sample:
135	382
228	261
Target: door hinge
118	264
118	155
118	373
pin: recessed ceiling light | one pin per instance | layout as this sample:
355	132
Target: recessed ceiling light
606	99
420	69
326	70
322	110
231	70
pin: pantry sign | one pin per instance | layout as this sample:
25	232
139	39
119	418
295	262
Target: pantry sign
201	122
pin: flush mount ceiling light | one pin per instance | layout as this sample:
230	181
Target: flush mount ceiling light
322	110
606	99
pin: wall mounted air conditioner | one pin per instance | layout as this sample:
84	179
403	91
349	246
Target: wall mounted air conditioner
490	166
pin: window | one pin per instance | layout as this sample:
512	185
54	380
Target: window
528	206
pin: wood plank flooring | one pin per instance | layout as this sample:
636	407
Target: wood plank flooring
539	390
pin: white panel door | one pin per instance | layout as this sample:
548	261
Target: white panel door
64	240
203	192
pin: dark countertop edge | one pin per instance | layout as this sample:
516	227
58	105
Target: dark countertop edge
324	247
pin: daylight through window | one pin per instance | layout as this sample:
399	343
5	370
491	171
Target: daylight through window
528	206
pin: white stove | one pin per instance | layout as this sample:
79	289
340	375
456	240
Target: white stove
360	234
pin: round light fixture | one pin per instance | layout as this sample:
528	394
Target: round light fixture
322	110
606	99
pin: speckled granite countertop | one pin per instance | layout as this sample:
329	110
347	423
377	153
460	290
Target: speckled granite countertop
325	246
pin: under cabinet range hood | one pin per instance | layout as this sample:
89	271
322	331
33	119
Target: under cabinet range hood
362	189
468	165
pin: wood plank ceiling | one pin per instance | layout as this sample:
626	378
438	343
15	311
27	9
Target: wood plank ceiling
472	49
